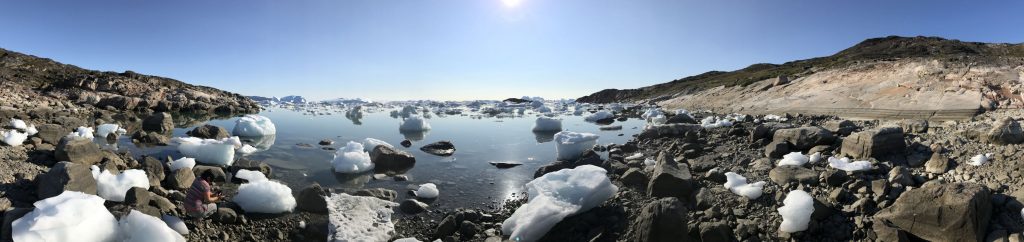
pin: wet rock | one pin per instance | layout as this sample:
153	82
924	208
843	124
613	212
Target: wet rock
209	132
388	160
412	206
406	143
312	199
504	164
440	148
874	143
670	178
469	229
664	219
252	165
384	194
942	212
326	142
681	119
81	151
1005	131
841	127
160	122
65	176
776	149
551	167
804	138
9	217
793	174
181	179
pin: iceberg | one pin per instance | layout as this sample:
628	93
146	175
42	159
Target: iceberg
70	216
545	124
13	137
794	159
113	187
557	195
796	211
569	145
137	226
427	190
846	165
738	185
254	125
210	151
262	195
414	123
356	218
352	159
600	115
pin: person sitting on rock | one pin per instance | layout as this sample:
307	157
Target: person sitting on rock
200	200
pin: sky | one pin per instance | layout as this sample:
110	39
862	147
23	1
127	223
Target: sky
468	49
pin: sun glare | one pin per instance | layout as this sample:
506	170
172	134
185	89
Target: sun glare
511	3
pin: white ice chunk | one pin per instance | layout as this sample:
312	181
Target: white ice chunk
712	122
650	162
247	149
82	132
250	175
657	120
794	159
18	124
599	115
104	129
351	159
254	125
570	145
113	187
635	156
141	227
846	165
184	162
544	109
814	158
210	151
980	159
370	143
264	196
738	185
70	216
414	123
557	195
175	223
796	211
427	190
410	239
651	113
13	137
356	218
544	124
31	130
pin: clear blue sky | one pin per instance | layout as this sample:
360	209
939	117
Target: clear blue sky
469	49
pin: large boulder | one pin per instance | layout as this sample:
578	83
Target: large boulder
942	212
793	174
65	176
874	143
76	150
804	138
841	127
181	179
51	133
312	199
1005	131
670	178
389	160
913	126
664	219
217	172
209	132
158	122
154	170
776	149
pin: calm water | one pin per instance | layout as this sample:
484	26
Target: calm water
465	179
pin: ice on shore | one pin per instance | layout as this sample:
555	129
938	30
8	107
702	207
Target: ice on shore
738	185
635	156
357	218
599	115
651	113
414	123
247	150
546	124
570	145
794	159
649	162
796	211
262	195
184	162
847	165
250	175
814	158
70	216
210	151
370	143
175	223
81	132
557	195
18	124
140	227
713	122
352	159
13	137
254	125
427	190
105	129
113	187
980	159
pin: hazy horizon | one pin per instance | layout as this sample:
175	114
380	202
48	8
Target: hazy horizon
467	50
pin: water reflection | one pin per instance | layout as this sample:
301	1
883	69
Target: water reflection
544	136
414	135
261	143
356	181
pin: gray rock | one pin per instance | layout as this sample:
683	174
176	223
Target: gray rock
51	133
81	151
469	229
634	178
412	206
384	194
440	148
209	132
165	205
225	215
388	160
942	212
1005	131
150	138
913	126
312	199
885	232
137	197
670	178
840	127
667	130
716	232
65	176
217	172
938	164
874	143
160	122
154	170
664	219
181	179
680	119
804	138
776	149
793	174
447	227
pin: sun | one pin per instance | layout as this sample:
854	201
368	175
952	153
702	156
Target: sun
511	3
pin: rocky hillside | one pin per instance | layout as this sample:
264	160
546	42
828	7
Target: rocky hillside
46	79
883	77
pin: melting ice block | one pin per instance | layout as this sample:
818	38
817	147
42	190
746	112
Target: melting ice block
70	216
794	159
796	211
546	124
13	137
352	159
254	125
569	145
262	195
210	151
113	187
370	143
847	165
428	191
738	185
557	195
184	162
599	115
414	123
137	226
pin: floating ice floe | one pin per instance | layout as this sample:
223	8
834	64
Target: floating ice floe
70	216
796	211
546	124
13	137
544	109
414	123
427	190
113	187
712	122
81	132
262	195
570	145
599	115
184	162
357	218
137	226
254	125
814	158
847	165
105	129
557	195
370	143
980	159
794	159
210	151
352	159
175	223
738	185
